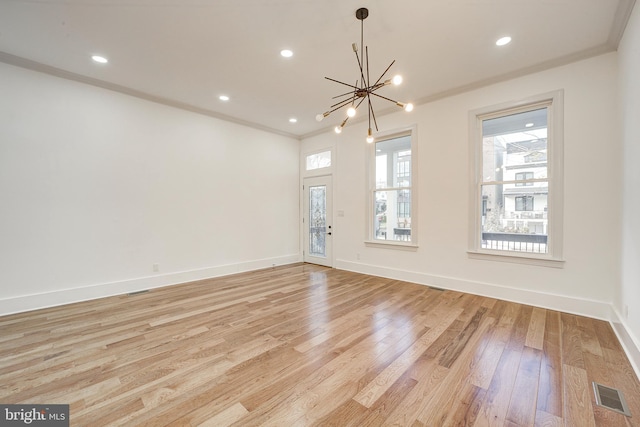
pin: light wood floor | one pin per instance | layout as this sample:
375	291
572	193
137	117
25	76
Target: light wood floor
306	345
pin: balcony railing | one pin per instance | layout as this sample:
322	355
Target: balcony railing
527	215
518	242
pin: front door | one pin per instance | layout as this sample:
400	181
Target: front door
317	219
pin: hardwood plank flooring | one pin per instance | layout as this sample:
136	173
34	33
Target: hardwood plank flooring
303	345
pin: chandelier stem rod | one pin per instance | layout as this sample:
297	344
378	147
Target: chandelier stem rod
362	52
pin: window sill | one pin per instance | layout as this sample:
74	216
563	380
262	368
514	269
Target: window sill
517	258
391	244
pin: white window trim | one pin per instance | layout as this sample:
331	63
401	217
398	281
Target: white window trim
370	241
555	172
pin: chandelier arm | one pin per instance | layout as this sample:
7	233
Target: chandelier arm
375	122
385	72
350	93
342	103
384	97
343	94
361	101
355	92
369	109
376	87
361	70
342	83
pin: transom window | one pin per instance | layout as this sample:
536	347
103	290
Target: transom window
318	160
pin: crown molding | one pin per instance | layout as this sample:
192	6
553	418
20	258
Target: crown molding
28	64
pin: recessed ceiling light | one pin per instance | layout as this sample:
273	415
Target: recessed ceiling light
528	125
503	41
293	120
100	59
223	98
286	53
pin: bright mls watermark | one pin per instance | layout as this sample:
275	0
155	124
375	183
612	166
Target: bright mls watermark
34	415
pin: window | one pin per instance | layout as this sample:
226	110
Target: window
318	160
522	176
524	203
392	185
516	205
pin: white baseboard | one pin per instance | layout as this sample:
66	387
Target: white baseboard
584	307
66	296
628	340
581	306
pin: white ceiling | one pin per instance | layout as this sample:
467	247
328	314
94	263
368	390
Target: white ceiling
188	52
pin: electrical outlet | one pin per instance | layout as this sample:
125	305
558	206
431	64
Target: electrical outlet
156	267
358	256
625	311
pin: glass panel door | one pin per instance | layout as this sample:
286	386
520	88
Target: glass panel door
318	231
317	220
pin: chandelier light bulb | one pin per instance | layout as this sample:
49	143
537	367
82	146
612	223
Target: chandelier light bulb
408	107
319	117
369	137
338	129
397	79
351	112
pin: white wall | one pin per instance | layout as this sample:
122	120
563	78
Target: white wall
629	66
97	186
591	273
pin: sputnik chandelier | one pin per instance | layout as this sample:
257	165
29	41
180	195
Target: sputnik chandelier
363	89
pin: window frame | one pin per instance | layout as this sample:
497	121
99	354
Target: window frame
554	102
370	239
